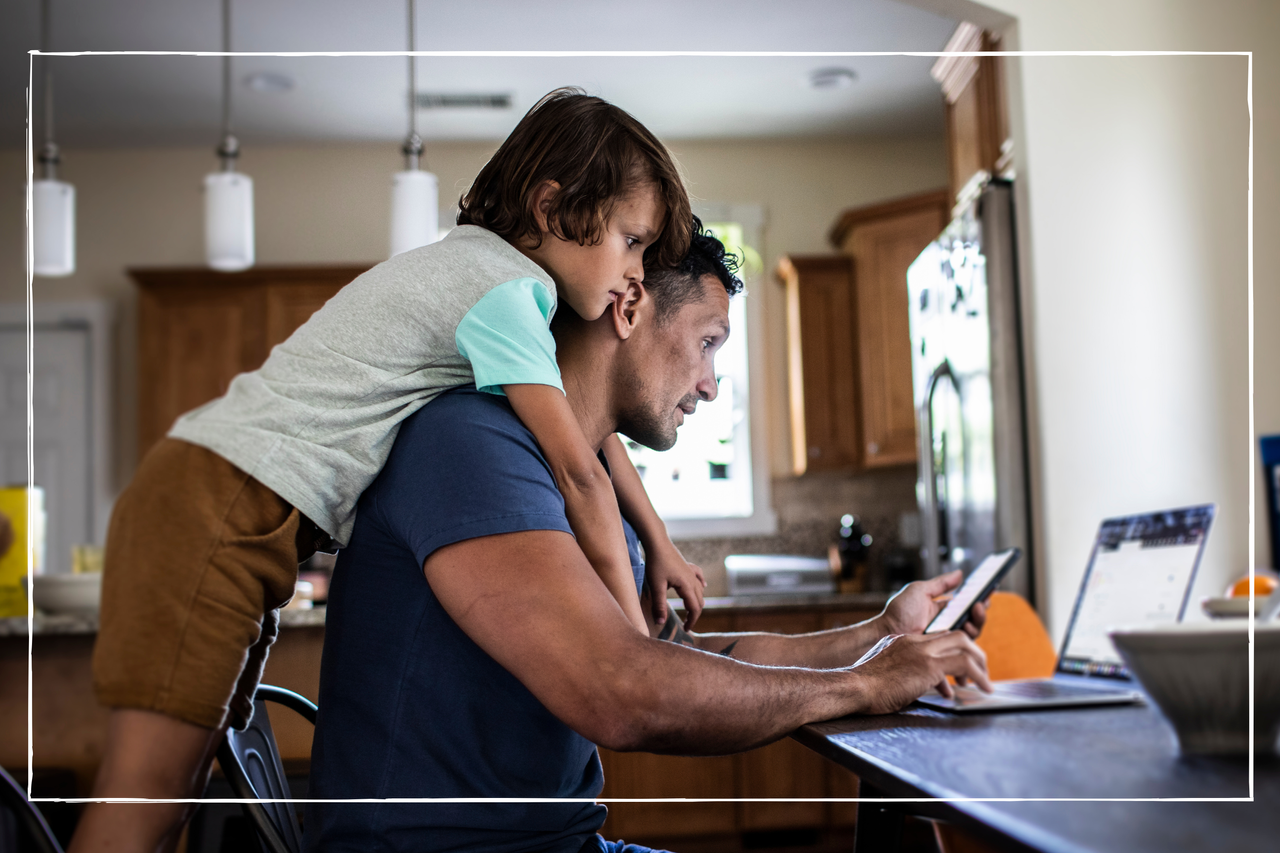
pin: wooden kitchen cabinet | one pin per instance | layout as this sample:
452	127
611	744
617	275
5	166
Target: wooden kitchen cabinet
783	769
978	140
822	363
849	338
198	328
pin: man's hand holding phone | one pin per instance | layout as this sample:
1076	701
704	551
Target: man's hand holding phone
982	581
913	607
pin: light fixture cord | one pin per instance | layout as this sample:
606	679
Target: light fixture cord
413	76
413	144
229	147
49	152
226	67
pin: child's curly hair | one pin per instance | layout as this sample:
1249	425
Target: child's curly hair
597	153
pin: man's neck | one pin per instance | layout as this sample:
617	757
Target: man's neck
591	401
585	359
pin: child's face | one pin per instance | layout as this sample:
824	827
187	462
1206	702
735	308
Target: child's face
590	277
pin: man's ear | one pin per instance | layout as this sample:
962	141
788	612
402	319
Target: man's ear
541	203
627	308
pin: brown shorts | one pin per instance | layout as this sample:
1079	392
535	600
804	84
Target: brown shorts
199	557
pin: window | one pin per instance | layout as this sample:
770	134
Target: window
715	481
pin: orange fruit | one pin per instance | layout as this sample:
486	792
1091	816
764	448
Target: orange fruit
1263	585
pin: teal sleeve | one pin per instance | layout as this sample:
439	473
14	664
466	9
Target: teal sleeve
507	337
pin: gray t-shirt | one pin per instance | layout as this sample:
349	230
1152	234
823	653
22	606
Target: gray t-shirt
315	423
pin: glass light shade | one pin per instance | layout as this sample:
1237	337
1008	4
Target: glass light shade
228	221
53	224
415	210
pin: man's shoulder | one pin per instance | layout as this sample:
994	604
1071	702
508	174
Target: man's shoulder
465	417
463	467
466	439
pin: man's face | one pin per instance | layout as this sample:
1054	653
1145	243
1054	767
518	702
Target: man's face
671	367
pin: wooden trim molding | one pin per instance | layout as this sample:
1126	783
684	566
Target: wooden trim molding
203	276
955	72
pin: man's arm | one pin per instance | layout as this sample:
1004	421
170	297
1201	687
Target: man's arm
908	612
625	691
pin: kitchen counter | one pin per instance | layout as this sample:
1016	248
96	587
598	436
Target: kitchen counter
49	624
68	725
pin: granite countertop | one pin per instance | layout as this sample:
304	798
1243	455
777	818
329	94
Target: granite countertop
822	600
49	624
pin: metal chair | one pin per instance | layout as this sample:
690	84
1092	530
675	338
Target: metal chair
251	763
28	817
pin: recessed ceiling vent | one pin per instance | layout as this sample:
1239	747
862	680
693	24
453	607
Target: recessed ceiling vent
832	78
463	101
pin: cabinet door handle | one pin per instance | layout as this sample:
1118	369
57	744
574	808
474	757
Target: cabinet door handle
873	448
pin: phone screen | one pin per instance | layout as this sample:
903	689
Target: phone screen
980	581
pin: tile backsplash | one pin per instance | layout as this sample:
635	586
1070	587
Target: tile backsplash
809	510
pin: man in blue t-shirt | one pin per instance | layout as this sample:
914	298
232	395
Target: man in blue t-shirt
472	653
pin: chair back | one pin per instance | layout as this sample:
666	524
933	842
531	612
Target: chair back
28	817
251	762
1014	638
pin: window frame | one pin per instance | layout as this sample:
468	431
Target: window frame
763	521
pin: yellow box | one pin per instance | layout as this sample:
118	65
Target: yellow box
25	510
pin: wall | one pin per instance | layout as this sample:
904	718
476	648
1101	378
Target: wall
331	204
1134	180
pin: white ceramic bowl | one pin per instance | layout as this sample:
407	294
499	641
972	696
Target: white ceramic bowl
1197	674
73	594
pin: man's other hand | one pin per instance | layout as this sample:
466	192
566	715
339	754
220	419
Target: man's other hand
912	609
903	667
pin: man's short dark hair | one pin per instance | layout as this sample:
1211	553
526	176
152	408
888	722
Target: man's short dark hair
598	154
673	287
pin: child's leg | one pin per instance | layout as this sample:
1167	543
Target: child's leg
199	555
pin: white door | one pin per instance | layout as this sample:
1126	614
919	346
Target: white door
62	429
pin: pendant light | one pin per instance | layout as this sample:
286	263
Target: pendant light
415	194
228	195
53	202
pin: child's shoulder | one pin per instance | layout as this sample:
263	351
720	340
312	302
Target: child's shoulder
470	253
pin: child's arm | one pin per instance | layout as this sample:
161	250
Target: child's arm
589	500
664	566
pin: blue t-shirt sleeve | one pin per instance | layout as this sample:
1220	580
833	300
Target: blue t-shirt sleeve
464	467
507	339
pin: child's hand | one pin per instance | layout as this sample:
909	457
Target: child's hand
667	569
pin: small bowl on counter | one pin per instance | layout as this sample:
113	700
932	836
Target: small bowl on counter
76	595
1197	675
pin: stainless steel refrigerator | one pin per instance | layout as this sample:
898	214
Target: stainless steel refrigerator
967	372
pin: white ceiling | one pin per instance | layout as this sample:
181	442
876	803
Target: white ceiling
169	101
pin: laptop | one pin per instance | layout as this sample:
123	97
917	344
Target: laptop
1140	573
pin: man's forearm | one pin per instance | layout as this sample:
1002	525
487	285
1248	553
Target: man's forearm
829	649
699	703
531	601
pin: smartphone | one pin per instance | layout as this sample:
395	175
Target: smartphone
976	587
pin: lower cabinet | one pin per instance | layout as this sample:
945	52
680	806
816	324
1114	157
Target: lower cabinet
782	770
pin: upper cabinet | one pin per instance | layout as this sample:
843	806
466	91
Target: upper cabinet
849	340
198	328
978	141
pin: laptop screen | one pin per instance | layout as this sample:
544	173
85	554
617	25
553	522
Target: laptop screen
1140	574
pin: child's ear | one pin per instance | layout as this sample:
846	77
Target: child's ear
626	308
541	202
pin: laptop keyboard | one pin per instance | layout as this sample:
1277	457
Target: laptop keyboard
1046	690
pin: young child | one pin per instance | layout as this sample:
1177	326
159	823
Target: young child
204	544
